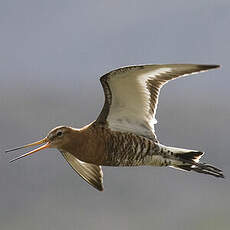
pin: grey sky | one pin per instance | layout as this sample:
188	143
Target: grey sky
52	54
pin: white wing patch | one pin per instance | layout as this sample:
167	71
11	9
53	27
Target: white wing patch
131	101
131	95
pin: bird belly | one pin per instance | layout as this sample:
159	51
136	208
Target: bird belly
128	149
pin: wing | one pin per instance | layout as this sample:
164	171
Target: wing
89	172
131	95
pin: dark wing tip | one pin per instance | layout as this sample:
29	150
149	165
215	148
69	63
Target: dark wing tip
99	187
206	67
97	183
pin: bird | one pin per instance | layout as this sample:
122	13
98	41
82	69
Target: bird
123	134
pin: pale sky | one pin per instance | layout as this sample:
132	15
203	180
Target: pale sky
52	54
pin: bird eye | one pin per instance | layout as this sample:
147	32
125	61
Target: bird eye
59	133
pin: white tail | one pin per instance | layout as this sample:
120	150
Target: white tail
188	160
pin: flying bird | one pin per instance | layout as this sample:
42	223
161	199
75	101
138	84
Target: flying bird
123	134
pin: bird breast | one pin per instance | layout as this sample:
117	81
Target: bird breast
101	146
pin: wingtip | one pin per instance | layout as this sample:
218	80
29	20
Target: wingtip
206	67
215	66
211	66
100	188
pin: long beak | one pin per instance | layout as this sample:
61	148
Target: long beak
47	145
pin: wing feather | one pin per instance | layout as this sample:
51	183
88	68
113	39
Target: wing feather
89	172
131	95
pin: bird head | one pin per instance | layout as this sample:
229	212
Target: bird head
56	138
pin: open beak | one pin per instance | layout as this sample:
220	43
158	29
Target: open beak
46	145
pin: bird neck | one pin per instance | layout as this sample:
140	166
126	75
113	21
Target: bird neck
87	144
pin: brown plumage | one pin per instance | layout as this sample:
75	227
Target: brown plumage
123	134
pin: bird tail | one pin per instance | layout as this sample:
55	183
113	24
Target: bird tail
188	160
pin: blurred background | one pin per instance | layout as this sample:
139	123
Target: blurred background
52	53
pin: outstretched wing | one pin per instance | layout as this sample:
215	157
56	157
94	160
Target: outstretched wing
131	95
89	172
